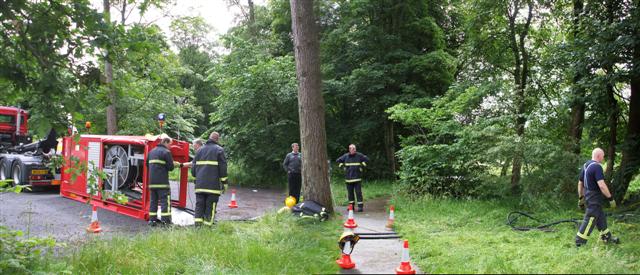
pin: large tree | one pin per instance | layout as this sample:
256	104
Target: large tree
577	97
111	115
630	163
310	104
518	37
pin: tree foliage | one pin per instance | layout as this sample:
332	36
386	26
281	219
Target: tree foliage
257	108
42	62
455	97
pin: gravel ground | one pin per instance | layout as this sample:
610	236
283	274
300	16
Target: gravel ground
47	214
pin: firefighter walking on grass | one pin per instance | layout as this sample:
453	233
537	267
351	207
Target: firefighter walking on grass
159	163
209	167
354	163
592	190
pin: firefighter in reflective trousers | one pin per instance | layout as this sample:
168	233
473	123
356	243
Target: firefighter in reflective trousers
159	163
210	169
354	162
592	190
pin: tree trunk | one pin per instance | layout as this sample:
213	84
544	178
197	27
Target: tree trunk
124	12
630	162
310	104
578	96
112	117
611	100
521	73
613	131
252	13
389	145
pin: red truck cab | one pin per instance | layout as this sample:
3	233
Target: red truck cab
13	126
23	162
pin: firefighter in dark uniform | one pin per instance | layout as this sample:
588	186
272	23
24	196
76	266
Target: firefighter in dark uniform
354	163
159	163
592	190
210	169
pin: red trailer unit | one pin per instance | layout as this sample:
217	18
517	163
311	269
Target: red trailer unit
122	159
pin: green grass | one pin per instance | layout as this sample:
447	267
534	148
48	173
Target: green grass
371	189
464	236
446	236
276	244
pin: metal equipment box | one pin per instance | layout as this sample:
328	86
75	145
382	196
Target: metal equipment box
122	159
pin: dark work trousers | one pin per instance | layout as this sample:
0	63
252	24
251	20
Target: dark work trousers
355	187
295	183
163	196
206	208
594	217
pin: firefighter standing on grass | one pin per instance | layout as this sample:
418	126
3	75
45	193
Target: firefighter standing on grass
209	167
353	163
592	190
159	163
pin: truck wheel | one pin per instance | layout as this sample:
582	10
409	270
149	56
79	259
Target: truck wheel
19	173
5	172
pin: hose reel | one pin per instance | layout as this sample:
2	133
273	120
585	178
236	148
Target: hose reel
117	167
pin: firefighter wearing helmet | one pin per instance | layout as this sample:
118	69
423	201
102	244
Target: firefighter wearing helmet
209	167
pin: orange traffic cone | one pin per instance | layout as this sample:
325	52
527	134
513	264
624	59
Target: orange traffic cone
345	261
350	223
405	266
94	227
389	225
233	203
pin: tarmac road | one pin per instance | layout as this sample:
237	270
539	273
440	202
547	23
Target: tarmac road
46	213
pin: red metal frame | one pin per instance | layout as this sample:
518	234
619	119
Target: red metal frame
77	189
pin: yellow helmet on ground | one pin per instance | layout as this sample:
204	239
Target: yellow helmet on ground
290	201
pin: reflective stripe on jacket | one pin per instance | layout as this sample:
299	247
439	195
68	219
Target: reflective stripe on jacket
354	165
159	163
209	166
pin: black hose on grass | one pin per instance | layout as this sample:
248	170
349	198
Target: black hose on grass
382	237
513	217
188	210
375	233
546	227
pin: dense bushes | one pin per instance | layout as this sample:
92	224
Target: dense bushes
462	147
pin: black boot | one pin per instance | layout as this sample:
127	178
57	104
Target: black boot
153	222
166	222
360	206
610	239
580	241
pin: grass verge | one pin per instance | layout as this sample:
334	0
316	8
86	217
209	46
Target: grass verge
467	236
276	244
